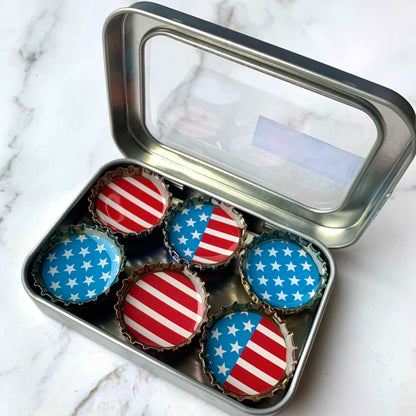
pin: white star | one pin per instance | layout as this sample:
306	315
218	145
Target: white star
88	280
67	241
290	266
248	326
294	281
91	293
232	329
183	240
235	347
309	281
117	259
72	282
297	296
219	351
260	266
187	252
288	251
263	280
55	286
275	266
282	295
67	254
69	268
216	334
84	251
199	206
190	222
311	294
177	228
306	266
53	270
203	217
278	281
86	265
266	295
52	256
195	234
302	252
74	297
258	251
82	237
272	252
105	276
185	211
222	369
100	248
103	262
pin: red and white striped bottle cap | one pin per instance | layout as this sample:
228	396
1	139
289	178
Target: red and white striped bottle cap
130	201
162	306
247	352
204	233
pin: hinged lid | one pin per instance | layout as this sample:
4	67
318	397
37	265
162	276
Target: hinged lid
306	145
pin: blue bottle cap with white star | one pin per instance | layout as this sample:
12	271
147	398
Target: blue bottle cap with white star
78	264
204	233
283	271
247	351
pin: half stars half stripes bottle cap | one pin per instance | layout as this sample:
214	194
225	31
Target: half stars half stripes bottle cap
283	271
247	352
130	201
161	306
204	233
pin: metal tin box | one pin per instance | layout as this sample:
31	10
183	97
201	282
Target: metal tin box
293	144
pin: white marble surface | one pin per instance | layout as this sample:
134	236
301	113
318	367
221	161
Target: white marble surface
55	134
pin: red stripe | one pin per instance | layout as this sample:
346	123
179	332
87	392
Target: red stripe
210	255
249	379
224	228
219	211
142	195
116	216
218	242
163	309
132	207
184	280
233	388
152	325
262	363
140	337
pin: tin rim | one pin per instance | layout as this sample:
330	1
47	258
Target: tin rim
57	238
308	247
272	316
230	210
144	271
122	172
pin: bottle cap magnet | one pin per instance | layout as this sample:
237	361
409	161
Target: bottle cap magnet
129	201
204	233
161	306
283	271
78	264
247	351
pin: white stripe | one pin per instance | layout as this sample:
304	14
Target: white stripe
266	354
275	337
135	201
166	299
222	235
158	317
202	260
115	224
150	335
185	289
215	249
240	386
123	211
146	189
223	219
257	372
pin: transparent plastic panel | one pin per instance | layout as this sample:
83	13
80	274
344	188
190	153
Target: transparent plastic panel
302	145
